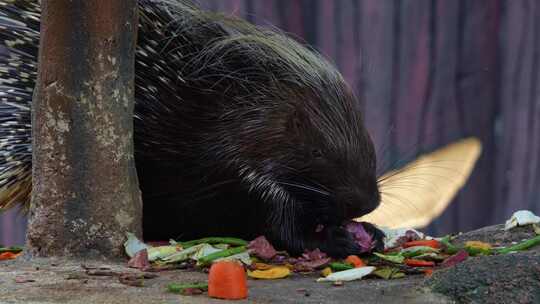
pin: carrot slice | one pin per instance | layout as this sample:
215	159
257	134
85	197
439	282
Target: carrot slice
418	263
428	272
429	243
227	280
8	255
355	261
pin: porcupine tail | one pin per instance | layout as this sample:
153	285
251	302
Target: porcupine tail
19	41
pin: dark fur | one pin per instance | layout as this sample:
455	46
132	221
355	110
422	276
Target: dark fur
242	131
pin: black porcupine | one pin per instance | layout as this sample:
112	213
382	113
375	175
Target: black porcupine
239	130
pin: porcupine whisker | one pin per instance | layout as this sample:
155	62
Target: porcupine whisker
306	188
298	173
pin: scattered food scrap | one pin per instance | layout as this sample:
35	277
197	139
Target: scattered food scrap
361	236
348	275
227	280
355	261
9	253
274	272
521	218
188	289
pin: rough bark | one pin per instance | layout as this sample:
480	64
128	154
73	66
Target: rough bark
85	193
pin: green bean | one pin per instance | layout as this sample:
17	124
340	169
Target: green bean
207	260
215	240
450	249
340	266
521	246
14	249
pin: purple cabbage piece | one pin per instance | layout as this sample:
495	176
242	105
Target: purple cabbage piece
262	248
310	260
409	236
457	258
309	266
361	236
140	260
313	255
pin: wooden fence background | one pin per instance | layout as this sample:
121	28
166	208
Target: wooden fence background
429	72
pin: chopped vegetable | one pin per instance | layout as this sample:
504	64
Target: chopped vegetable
521	246
335	266
204	249
417	250
355	261
215	240
206	260
161	252
348	275
311	260
476	247
183	255
261	266
431	256
262	248
326	271
14	249
388	273
140	260
536	229
459	257
396	237
227	280
428	272
478	244
428	243
418	263
448	247
133	245
242	257
361	236
8	255
186	288
398	259
277	272
521	218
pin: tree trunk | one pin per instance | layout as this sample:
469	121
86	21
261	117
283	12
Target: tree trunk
85	193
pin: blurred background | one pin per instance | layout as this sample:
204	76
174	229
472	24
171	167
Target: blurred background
427	73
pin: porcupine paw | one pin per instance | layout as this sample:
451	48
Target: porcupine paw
338	242
376	234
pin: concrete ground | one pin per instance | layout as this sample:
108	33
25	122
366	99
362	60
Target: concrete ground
511	278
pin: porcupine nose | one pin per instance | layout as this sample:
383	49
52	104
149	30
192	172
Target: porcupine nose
357	202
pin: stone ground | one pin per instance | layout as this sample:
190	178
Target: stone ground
513	278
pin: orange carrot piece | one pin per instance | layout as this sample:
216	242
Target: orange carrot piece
428	272
418	263
227	280
8	255
429	243
355	261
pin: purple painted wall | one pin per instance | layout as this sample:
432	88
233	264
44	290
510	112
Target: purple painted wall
429	72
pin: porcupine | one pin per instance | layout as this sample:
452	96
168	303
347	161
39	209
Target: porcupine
239	130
